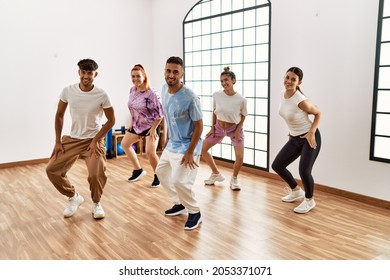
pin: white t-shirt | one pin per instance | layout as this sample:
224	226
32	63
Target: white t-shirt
229	108
297	120
86	110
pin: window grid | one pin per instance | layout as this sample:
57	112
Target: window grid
380	128
235	34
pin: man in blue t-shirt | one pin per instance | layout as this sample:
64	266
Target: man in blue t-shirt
179	162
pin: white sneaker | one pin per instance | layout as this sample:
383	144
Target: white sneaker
293	195
97	211
214	178
306	205
234	185
74	203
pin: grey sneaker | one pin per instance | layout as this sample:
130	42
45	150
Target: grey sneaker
293	195
214	178
74	203
97	211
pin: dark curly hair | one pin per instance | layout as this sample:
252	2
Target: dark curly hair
88	65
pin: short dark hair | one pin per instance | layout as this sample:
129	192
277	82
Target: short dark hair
175	60
88	65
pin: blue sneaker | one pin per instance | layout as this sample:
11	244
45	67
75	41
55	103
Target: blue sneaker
177	209
156	182
137	174
193	221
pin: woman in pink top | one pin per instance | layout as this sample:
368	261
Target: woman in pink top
146	115
228	118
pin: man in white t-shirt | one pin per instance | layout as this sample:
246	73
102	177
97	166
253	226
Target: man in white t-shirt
87	103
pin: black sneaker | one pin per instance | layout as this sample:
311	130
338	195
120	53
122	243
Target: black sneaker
177	209
193	221
156	182
137	174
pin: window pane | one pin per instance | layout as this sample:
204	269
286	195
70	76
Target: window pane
248	156
216	24
250	18
261	142
249	36
249	140
250	105
226	23
262	33
262	16
206	9
226	39
384	81
227	56
385	54
386	8
262	70
188	45
381	149
250	54
262	106
260	158
237	20
188	30
383	125
216	41
385	30
197	43
249	89
383	101
237	38
206	42
262	89
262	53
237	55
261	124
249	71
196	28
227	6
188	58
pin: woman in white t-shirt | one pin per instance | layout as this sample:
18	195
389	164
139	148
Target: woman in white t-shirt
304	141
228	118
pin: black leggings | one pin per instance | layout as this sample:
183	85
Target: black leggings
294	148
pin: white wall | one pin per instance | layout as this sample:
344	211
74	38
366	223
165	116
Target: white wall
333	42
41	43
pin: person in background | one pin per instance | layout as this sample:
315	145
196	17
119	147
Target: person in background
304	141
229	115
87	103
179	162
146	115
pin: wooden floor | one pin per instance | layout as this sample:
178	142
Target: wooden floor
249	224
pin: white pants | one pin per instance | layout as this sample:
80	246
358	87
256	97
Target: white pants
178	180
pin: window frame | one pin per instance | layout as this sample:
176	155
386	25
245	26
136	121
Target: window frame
257	155
378	156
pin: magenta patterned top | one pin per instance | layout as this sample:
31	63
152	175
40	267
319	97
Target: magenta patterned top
145	108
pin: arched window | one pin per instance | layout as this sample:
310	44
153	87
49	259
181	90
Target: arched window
380	130
219	33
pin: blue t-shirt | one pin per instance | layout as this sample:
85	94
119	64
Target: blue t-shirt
180	110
